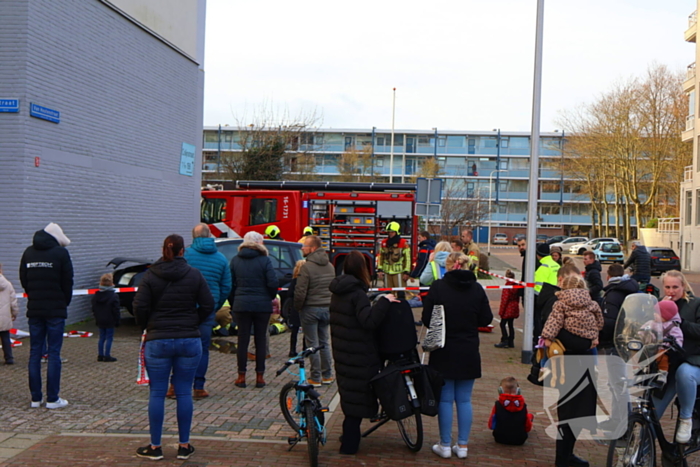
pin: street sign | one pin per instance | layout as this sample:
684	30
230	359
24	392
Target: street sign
428	210
44	113
9	105
187	159
428	196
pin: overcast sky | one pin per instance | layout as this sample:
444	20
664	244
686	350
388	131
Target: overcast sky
457	64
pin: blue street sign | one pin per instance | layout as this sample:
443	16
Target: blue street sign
187	159
9	105
44	113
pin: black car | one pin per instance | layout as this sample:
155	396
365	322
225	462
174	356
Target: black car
541	238
283	255
663	259
517	238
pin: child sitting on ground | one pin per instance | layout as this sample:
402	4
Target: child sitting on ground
508	311
510	420
8	313
666	322
105	308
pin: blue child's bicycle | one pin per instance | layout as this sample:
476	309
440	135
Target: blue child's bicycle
302	408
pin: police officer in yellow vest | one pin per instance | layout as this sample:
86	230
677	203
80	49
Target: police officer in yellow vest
394	257
307	231
546	273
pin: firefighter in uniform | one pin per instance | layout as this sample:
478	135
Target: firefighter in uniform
273	232
394	257
307	231
471	249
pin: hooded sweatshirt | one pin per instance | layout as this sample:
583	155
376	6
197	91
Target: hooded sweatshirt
172	301
427	277
577	313
8	304
424	249
510	420
46	274
204	255
312	283
105	308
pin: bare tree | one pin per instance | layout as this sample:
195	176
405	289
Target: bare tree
356	166
460	206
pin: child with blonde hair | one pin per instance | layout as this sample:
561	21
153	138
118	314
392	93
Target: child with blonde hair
105	308
8	313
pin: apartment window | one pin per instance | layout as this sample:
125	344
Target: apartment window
697	207
550	187
688	207
380	141
471	145
504	142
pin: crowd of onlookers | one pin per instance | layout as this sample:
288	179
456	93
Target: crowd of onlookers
180	293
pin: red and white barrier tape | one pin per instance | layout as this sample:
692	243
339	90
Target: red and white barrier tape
381	289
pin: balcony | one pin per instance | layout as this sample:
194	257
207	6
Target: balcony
689	132
688	174
689	83
692	30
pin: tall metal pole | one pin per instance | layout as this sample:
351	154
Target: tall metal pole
526	353
218	153
490	214
498	162
374	134
391	153
561	174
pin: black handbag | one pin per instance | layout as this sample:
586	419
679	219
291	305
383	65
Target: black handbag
428	383
390	388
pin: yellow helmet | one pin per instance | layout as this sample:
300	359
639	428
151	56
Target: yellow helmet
308	230
393	227
272	231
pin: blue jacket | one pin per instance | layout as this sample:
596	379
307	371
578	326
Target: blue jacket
427	277
203	255
424	249
254	279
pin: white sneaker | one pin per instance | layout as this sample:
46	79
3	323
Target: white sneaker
685	425
36	405
460	452
60	403
443	451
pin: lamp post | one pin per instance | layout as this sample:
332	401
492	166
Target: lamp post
490	186
498	159
391	150
374	134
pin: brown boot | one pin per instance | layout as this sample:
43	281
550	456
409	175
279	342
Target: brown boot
240	382
259	381
198	394
171	392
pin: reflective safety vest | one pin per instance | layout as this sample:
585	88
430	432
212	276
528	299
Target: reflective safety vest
546	273
438	271
395	260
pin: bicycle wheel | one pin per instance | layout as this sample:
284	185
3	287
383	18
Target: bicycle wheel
636	448
288	402
411	430
312	438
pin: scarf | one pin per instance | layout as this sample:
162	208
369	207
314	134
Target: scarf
392	242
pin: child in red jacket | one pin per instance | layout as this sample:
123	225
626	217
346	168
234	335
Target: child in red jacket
510	420
509	311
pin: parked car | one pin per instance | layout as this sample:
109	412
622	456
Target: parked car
517	238
500	239
283	255
556	239
541	238
609	251
663	259
567	242
588	246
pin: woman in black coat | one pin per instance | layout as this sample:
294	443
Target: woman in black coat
254	287
355	350
172	301
466	309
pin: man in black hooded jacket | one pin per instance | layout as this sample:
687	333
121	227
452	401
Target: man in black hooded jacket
46	273
592	276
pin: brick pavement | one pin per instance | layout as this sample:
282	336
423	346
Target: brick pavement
107	417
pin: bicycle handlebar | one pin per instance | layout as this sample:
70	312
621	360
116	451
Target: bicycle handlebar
295	360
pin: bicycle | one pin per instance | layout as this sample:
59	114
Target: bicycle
637	447
300	400
411	427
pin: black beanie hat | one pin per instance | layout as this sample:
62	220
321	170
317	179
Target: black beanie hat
543	249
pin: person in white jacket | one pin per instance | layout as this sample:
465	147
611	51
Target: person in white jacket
8	313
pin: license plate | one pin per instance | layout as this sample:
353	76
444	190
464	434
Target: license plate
664	259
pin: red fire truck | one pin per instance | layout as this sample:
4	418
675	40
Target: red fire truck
346	216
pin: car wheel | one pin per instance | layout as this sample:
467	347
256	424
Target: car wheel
581	251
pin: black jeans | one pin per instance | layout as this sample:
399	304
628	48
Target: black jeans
260	324
351	435
6	346
504	332
565	445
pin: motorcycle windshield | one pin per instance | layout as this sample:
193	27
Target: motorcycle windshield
638	330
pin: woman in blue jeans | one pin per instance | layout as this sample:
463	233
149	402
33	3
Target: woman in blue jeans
466	309
172	301
687	377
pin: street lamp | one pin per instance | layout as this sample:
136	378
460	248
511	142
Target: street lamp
490	187
498	159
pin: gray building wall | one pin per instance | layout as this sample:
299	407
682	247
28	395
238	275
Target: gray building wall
109	171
